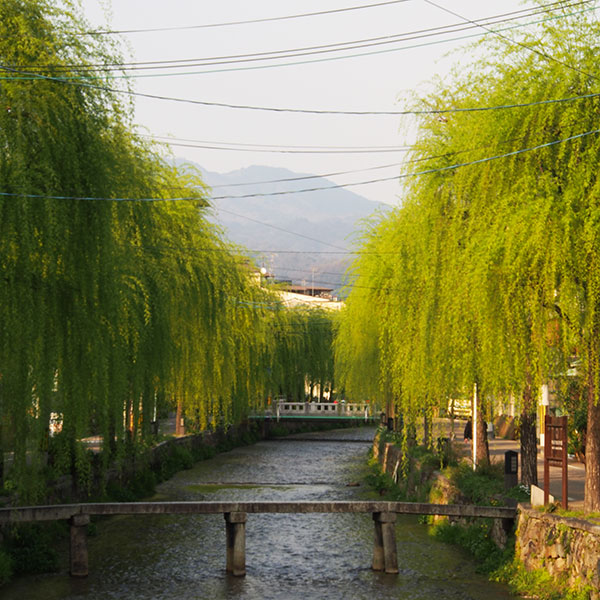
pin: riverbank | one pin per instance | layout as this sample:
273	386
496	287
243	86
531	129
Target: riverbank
36	548
505	556
288	556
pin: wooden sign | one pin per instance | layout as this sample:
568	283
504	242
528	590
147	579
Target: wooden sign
555	454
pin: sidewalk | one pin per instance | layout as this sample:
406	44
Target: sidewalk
499	446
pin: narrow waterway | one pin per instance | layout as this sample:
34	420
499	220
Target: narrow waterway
288	557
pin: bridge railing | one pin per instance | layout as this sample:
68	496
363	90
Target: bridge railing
236	516
323	409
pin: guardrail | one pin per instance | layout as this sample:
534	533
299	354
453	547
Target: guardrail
236	515
323	409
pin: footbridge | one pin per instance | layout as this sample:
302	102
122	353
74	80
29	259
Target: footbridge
343	411
236	516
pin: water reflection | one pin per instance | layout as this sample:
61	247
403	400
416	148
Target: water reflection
288	556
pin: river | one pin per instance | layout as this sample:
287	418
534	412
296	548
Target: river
319	556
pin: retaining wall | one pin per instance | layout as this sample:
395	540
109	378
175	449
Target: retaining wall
66	489
565	547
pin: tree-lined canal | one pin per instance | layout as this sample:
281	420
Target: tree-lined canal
287	556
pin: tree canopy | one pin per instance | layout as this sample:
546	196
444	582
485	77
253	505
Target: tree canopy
488	272
118	297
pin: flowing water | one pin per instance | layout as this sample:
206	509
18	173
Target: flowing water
319	556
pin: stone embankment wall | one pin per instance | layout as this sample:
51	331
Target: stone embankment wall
66	490
566	547
389	456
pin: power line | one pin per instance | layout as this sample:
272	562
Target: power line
282	229
290	151
310	272
305	177
317	189
308	61
514	42
258	252
303	51
251	21
287	109
350	172
405	175
274	147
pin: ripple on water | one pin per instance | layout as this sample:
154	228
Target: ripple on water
316	556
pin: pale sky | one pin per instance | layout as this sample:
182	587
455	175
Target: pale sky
377	82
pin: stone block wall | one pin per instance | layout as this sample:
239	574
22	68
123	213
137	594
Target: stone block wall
566	547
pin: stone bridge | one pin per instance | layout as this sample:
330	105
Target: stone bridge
236	516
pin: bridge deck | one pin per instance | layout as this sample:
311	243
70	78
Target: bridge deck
235	513
67	511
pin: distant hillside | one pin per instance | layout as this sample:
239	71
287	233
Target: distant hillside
330	216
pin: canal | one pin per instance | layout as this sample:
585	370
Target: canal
320	556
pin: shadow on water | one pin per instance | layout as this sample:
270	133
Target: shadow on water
324	556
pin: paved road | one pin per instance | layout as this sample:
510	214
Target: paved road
499	446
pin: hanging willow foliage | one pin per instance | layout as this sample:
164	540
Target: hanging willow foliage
491	269
110	309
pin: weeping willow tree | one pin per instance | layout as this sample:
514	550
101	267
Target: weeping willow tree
360	353
116	299
499	287
299	354
523	220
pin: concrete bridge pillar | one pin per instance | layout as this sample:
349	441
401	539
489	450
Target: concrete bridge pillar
385	556
235	530
79	551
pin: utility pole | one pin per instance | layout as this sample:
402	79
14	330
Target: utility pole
474	426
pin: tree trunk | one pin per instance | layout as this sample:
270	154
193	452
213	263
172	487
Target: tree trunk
1	455
483	450
592	452
179	423
528	437
112	437
426	430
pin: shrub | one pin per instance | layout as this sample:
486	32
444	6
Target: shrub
476	539
31	547
6	567
481	485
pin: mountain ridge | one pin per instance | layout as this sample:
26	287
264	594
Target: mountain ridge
302	236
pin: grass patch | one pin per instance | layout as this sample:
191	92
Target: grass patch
481	486
538	584
475	538
381	482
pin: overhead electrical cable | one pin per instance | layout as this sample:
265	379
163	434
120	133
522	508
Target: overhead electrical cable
306	177
291	151
317	189
229	250
311	272
247	22
405	175
282	229
302	51
338	173
307	61
252	146
290	110
514	42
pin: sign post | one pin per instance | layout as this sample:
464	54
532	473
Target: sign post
555	454
474	428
